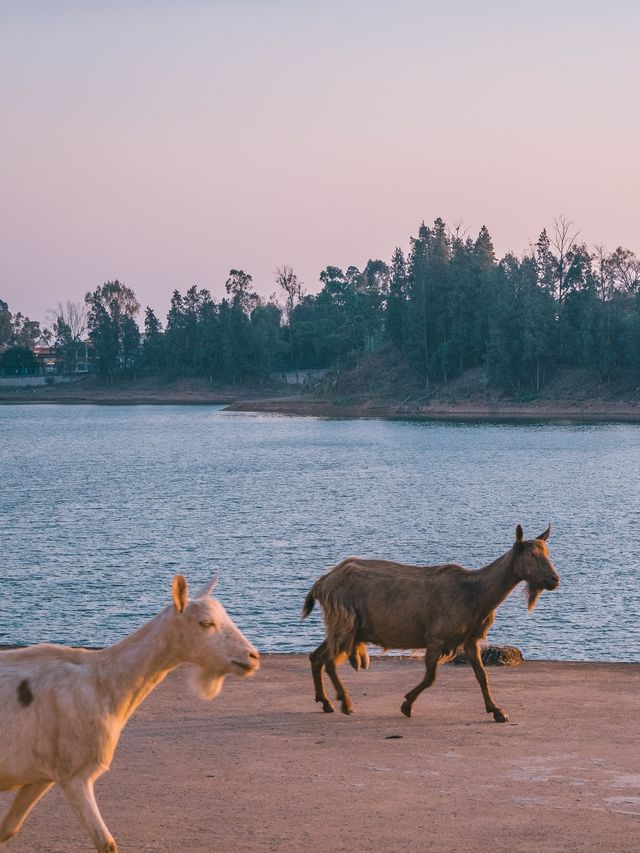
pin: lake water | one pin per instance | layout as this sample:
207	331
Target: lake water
100	506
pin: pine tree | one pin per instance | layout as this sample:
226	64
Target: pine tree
153	354
396	302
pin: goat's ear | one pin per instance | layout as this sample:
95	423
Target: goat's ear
519	534
180	594
208	588
544	536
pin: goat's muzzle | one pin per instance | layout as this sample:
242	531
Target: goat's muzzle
249	666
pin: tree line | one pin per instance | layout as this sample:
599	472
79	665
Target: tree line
445	305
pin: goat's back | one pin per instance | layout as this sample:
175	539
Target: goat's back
391	604
41	652
48	707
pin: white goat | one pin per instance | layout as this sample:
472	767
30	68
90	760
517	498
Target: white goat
62	710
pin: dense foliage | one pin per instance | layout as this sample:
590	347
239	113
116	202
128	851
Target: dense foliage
447	305
17	361
16	330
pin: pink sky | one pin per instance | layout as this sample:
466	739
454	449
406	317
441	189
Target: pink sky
164	143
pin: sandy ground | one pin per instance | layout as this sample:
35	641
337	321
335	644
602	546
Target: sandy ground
262	769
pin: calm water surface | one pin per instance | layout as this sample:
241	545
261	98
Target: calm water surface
100	506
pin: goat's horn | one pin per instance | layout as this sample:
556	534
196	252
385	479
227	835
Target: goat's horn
544	536
208	588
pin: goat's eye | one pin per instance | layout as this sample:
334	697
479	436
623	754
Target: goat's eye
206	624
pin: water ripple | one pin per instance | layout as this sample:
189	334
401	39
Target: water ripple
100	506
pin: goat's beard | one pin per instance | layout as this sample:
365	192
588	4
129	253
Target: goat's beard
533	593
206	684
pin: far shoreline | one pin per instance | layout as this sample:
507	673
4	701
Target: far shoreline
570	397
328	409
317	408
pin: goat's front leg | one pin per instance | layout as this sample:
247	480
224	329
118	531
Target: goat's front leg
79	792
23	802
474	655
431	664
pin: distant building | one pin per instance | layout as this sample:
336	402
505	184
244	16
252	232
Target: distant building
51	362
48	360
300	377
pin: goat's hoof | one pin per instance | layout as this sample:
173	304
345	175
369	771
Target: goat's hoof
6	836
406	708
500	716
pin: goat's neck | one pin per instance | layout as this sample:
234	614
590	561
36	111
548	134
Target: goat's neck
496	581
129	670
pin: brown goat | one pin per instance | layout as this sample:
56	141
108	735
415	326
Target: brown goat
441	608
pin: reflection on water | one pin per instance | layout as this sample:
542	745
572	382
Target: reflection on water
100	506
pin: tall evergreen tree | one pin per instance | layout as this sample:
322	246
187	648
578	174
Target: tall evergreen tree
6	324
153	353
396	302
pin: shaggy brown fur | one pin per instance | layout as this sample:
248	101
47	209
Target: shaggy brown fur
440	608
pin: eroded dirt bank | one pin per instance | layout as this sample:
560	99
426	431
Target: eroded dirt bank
262	769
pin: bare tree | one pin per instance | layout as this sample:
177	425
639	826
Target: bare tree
293	289
616	272
625	270
73	315
563	241
459	231
69	324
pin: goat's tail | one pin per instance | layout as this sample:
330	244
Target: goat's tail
341	622
340	619
309	601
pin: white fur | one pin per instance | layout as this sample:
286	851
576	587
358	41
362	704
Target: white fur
81	700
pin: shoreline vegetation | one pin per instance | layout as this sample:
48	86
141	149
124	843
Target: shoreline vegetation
570	396
447	329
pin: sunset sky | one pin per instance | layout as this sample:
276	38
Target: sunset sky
163	143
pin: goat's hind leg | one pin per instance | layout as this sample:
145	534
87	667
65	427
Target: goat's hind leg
317	658
474	656
79	792
25	799
341	691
